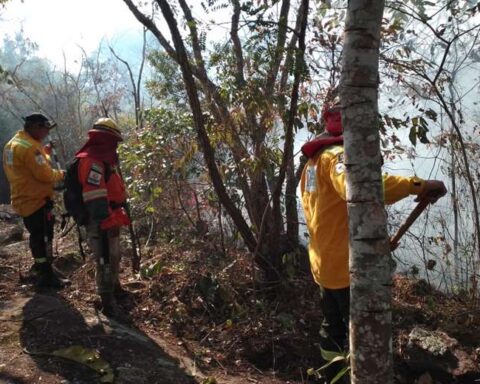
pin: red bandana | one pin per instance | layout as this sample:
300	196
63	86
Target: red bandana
100	146
324	140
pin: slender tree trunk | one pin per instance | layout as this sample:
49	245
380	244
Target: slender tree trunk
208	150
300	71
453	192
291	210
370	271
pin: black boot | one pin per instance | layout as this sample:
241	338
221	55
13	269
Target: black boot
109	306
46	278
119	292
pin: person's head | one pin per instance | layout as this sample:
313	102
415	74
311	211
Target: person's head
333	119
332	134
107	128
37	126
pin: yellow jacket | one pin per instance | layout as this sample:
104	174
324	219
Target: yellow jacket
323	198
30	175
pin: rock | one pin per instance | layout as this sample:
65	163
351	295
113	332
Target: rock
7	213
15	248
437	343
126	375
439	354
11	234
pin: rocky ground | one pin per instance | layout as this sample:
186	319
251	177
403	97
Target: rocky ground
194	316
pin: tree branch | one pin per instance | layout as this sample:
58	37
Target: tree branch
237	45
288	144
208	150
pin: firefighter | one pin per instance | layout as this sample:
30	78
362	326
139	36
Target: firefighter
31	181
323	198
104	196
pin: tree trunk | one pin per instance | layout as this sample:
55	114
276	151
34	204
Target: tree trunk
370	271
246	131
208	150
453	192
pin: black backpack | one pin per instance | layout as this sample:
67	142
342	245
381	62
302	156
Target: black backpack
72	195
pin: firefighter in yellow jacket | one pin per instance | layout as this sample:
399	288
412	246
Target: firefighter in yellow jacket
31	181
324	202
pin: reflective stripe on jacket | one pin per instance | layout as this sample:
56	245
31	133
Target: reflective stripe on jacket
323	198
29	173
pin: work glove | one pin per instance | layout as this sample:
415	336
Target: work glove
432	191
117	218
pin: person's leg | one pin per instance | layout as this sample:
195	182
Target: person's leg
35	226
40	226
342	298
49	225
115	258
114	247
99	245
335	304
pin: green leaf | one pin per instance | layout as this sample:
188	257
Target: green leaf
151	270
298	123
422	135
431	114
331	362
209	380
330	355
88	357
157	191
340	374
413	136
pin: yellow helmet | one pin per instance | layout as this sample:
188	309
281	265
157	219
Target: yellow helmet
106	124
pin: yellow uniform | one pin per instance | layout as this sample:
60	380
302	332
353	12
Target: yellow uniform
323	198
30	175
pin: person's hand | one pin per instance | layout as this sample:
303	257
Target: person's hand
117	218
432	191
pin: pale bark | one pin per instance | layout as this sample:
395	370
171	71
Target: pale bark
370	271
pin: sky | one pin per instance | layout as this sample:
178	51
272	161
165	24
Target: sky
61	26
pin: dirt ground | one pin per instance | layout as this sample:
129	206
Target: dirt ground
193	316
139	348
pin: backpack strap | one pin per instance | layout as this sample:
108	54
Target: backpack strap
108	171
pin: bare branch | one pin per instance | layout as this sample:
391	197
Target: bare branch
288	144
237	45
147	22
279	50
207	149
291	49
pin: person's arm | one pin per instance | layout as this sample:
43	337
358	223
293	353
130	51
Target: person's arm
41	170
396	188
399	187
